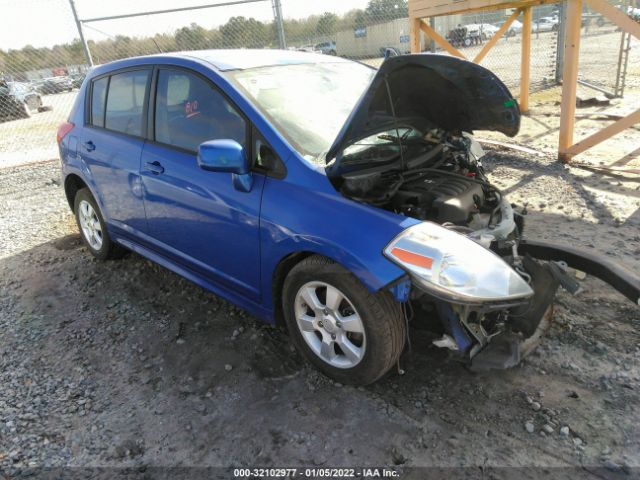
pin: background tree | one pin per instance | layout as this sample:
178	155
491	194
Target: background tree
246	33
384	10
359	19
238	32
327	24
193	37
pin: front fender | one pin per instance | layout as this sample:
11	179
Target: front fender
299	219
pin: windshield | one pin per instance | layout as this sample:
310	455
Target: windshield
307	103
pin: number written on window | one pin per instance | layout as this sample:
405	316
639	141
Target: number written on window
189	111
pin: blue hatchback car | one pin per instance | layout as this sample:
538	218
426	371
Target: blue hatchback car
342	200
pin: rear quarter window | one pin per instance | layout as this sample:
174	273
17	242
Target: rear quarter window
98	98
125	102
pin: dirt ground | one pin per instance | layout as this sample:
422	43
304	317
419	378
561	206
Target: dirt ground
124	364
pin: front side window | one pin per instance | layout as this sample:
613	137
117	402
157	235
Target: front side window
189	111
125	102
98	99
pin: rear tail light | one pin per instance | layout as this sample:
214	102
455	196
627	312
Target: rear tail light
63	131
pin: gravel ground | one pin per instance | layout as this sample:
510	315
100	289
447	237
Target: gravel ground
124	364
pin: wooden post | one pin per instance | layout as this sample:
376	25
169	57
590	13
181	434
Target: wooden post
525	65
415	34
569	78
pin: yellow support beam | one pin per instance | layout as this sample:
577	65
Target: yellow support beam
433	8
569	77
498	35
605	133
525	60
415	35
624	21
430	32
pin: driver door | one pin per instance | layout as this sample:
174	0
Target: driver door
194	217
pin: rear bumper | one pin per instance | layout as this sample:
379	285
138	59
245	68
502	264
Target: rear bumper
620	278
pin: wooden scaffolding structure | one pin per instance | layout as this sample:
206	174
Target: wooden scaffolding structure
421	10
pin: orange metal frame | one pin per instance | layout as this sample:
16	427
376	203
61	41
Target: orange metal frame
421	10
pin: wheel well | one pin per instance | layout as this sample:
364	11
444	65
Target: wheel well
72	184
280	273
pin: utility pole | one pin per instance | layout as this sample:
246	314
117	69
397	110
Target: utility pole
277	15
562	17
87	52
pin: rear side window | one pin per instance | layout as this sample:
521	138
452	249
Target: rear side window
189	111
125	102
98	98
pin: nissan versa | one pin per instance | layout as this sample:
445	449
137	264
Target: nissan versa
343	200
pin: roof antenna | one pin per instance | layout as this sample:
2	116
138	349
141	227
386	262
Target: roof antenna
395	121
157	46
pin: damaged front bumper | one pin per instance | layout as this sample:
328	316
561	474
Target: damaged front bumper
620	278
497	335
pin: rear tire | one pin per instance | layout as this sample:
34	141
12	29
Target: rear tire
93	229
350	334
25	111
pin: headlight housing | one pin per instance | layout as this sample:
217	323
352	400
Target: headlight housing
453	267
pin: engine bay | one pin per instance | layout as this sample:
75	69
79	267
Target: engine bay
437	177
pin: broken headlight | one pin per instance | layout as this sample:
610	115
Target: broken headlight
453	267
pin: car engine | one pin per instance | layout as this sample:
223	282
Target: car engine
442	181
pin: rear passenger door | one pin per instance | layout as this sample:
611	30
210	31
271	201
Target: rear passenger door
112	143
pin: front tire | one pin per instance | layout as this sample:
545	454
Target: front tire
93	229
350	334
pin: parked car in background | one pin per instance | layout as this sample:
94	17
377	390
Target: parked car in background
514	29
327	48
286	183
77	79
477	32
487	30
545	24
634	13
51	85
18	100
307	48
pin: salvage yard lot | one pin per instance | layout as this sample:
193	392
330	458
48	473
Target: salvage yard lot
33	139
126	364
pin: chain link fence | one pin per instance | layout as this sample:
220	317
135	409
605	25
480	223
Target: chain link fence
41	71
609	57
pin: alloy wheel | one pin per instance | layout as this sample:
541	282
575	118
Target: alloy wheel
330	324
90	224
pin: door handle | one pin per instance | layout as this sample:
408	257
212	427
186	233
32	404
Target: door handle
155	167
89	146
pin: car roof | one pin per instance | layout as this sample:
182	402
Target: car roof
236	59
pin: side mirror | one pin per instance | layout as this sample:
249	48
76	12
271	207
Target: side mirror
223	156
227	156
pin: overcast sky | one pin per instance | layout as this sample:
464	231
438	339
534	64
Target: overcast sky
49	22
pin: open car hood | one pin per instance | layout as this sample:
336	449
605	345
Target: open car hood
430	90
